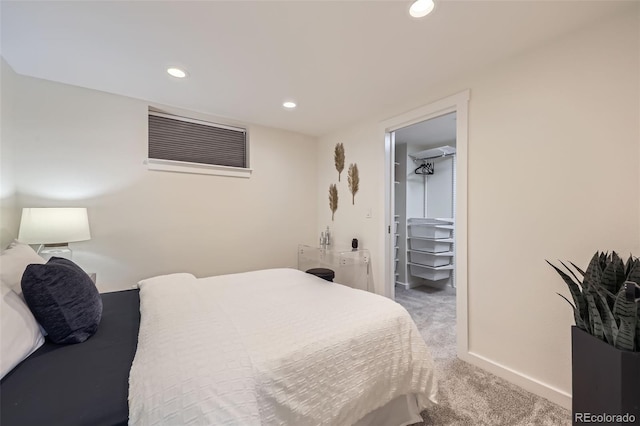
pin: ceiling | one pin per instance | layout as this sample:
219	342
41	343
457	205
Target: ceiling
340	60
434	132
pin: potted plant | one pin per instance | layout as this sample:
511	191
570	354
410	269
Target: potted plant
605	341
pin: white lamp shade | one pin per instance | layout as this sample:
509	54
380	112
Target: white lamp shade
54	225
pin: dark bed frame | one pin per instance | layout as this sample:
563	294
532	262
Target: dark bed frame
80	384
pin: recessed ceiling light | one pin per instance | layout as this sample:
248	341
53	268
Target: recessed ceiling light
289	105
176	72
421	8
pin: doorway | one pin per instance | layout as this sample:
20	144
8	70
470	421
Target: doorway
458	105
424	204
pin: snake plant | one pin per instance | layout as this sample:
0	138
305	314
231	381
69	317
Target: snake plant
601	305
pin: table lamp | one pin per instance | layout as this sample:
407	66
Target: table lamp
54	228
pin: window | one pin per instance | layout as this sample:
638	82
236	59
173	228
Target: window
188	145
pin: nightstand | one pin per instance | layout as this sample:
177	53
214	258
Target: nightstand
351	267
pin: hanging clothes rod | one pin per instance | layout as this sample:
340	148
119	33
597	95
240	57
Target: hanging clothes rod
442	151
416	160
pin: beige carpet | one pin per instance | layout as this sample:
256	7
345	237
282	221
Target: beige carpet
468	395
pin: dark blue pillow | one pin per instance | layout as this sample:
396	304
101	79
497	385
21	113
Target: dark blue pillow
64	300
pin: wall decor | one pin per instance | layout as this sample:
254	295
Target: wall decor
338	157
333	199
353	179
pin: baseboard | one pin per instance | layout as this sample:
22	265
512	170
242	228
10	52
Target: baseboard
530	384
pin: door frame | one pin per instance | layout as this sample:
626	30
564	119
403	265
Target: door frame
458	103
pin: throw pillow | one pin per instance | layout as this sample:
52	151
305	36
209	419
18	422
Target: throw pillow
63	299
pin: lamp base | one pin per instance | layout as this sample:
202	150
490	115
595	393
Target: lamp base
55	250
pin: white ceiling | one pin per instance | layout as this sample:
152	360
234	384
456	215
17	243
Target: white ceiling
435	132
340	60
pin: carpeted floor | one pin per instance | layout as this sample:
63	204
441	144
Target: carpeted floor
468	395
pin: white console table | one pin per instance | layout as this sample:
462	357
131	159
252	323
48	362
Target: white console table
352	267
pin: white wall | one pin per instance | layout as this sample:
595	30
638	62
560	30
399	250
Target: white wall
351	220
9	216
79	147
440	188
416	192
554	141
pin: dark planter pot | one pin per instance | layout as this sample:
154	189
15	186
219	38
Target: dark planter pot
606	381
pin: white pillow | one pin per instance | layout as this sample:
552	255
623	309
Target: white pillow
176	277
13	262
20	334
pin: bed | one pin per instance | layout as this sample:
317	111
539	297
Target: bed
270	347
83	384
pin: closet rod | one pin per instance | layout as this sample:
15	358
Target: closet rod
436	156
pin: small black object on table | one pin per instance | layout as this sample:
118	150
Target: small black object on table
324	273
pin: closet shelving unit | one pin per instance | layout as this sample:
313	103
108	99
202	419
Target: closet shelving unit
396	247
430	248
397	250
430	240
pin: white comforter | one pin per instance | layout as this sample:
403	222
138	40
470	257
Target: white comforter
271	347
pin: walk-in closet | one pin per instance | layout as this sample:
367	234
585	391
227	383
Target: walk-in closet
425	182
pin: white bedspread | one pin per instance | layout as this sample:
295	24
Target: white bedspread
271	347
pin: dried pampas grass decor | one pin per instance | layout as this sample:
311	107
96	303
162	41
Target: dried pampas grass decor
338	157
353	179
333	199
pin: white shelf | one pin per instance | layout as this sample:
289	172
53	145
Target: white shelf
430	230
430	245
430	259
441	253
433	153
440	240
430	273
446	219
429	221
